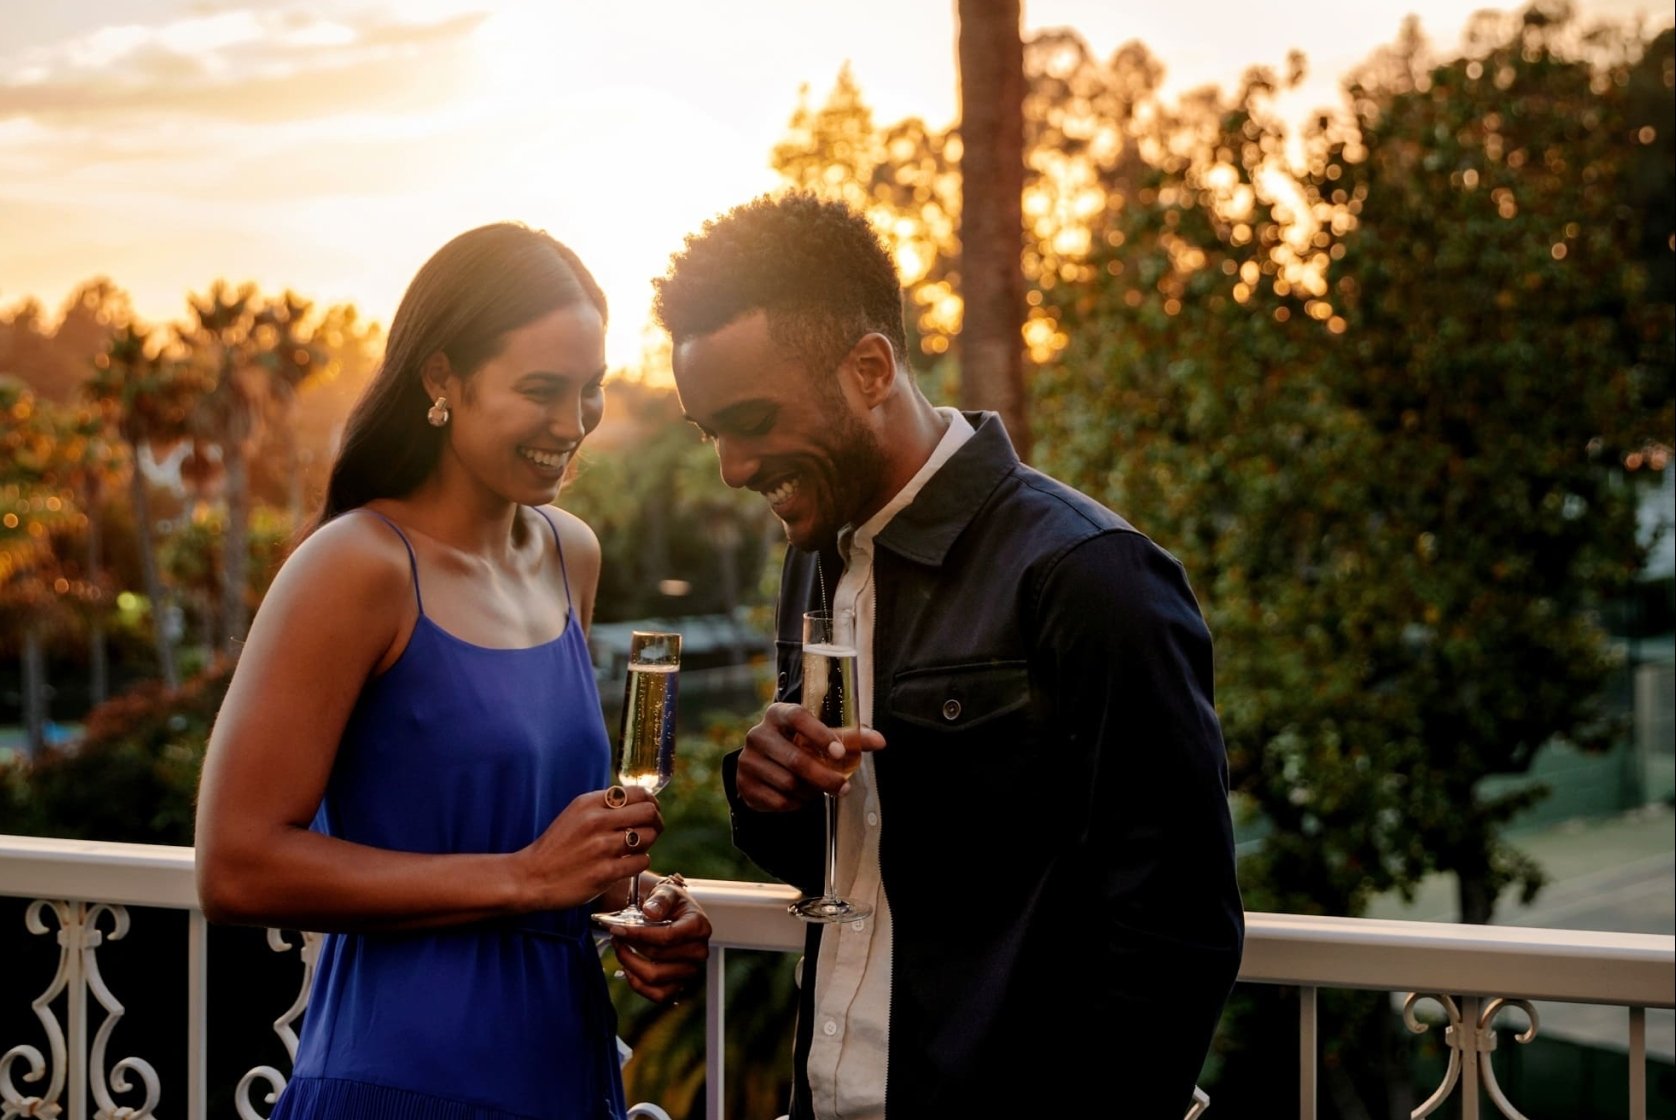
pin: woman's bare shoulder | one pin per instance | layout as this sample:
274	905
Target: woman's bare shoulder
338	607
577	536
356	557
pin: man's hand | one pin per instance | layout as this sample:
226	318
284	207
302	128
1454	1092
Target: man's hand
662	961
791	757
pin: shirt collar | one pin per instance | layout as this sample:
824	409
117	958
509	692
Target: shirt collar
943	502
957	431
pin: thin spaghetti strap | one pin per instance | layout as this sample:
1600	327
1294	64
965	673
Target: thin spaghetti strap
563	570
412	560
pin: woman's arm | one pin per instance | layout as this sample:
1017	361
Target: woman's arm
340	610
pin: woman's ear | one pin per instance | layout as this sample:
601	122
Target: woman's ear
438	375
872	362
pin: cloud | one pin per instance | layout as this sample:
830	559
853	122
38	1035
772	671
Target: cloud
240	66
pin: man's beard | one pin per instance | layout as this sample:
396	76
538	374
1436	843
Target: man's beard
852	478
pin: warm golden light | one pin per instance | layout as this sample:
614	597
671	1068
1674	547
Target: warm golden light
333	152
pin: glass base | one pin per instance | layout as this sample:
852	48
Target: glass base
828	910
627	916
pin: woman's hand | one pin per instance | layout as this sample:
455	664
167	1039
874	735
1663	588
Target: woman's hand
662	961
589	847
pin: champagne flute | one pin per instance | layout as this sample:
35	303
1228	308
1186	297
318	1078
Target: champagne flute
646	735
829	662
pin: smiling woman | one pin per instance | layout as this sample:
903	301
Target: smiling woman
411	754
489	302
537	398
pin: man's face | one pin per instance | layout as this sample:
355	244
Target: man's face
804	448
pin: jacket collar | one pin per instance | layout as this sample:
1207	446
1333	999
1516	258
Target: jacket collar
926	530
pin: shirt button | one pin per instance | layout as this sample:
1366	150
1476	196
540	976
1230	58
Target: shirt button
872	820
830	1029
951	709
858	925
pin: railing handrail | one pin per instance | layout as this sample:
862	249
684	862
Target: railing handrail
1579	966
1565	965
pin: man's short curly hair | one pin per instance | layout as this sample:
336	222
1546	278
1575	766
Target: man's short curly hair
816	267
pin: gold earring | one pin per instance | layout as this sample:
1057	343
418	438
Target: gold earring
438	415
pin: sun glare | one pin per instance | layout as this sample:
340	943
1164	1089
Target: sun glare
332	155
620	170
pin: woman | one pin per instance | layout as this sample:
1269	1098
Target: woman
411	753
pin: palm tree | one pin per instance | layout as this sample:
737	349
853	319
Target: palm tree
91	465
255	354
991	212
144	397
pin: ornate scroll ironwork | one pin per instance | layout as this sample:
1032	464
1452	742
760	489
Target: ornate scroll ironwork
79	939
1479	1041
309	953
12	1101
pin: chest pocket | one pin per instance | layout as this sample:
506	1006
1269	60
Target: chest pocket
968	739
954	699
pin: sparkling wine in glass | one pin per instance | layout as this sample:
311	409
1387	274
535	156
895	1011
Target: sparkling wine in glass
829	665
646	735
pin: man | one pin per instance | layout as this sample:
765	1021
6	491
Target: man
1040	821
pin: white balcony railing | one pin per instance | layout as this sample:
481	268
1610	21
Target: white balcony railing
80	892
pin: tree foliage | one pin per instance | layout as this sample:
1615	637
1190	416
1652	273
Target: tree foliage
675	540
1386	406
132	777
1505	347
52	464
1378	399
253	353
144	398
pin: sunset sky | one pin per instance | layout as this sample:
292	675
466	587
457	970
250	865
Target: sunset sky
331	147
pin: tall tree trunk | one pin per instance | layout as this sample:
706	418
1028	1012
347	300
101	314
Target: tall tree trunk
1469	858
208	607
1477	900
140	493
98	657
34	688
991	344
235	547
99	663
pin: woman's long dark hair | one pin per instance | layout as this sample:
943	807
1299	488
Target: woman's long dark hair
463	302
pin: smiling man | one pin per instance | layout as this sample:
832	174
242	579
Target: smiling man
1040	821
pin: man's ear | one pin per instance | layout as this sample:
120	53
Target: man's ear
438	375
872	362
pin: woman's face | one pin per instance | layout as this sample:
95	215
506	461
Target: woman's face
517	421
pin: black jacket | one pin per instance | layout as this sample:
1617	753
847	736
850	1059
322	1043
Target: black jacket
1055	839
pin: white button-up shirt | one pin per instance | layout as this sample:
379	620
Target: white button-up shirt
852	979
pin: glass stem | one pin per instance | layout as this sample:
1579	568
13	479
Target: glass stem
831	846
634	893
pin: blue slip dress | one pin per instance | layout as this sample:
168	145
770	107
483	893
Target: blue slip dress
463	748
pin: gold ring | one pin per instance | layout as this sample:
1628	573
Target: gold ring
616	797
631	839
